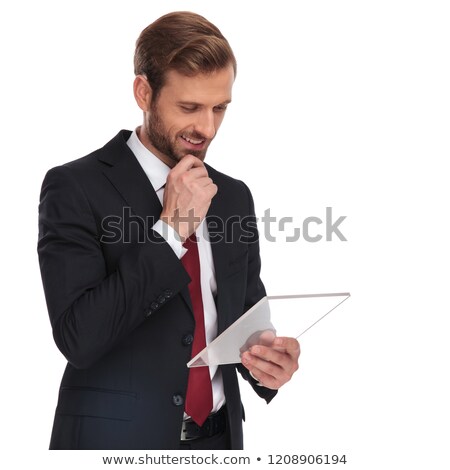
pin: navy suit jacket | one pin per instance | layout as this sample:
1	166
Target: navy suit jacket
119	304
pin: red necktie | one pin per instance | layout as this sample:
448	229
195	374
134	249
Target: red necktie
199	400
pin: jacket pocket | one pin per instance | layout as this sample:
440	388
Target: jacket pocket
96	402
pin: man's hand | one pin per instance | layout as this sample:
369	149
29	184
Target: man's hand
273	365
187	196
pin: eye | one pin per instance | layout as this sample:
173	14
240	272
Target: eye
221	108
188	109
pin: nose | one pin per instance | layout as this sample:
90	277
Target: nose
206	125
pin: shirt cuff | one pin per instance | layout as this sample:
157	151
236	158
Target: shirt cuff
171	236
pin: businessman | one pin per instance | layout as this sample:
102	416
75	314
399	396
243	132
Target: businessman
142	268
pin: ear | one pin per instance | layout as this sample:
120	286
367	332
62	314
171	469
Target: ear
142	92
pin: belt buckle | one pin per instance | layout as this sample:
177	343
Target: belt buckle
209	427
184	432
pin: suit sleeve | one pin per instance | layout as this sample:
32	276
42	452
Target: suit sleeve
255	290
91	310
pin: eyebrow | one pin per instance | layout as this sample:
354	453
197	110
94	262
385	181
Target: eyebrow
193	103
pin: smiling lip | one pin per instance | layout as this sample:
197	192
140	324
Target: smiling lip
193	144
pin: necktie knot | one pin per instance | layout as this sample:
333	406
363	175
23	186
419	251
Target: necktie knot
189	241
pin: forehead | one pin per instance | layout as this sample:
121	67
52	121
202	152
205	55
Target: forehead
205	88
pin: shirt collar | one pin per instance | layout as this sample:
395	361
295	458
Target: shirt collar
156	170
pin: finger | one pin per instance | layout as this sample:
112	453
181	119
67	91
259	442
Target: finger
268	374
204	181
290	345
262	354
266	337
186	176
288	361
186	163
196	173
267	380
194	184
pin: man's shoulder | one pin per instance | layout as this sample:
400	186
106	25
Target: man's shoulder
108	154
88	171
223	180
233	195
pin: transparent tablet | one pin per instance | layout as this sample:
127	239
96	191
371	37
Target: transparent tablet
282	315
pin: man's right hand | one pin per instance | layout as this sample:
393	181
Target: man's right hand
187	196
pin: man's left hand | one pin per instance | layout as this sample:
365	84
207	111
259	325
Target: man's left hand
273	365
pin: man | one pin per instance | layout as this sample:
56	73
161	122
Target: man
132	294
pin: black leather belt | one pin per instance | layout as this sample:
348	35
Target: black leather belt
214	424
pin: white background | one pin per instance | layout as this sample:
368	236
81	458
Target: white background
336	103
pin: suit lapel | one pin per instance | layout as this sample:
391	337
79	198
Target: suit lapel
127	176
221	252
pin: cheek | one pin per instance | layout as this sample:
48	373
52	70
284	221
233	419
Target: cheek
174	131
179	126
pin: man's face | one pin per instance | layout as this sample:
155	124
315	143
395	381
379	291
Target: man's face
187	114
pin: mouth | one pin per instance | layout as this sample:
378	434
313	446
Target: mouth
193	144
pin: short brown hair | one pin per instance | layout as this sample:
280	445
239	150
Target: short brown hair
181	41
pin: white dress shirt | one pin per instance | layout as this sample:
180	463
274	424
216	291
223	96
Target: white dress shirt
157	172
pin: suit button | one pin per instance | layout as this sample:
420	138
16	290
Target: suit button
161	299
154	305
168	293
187	339
177	400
